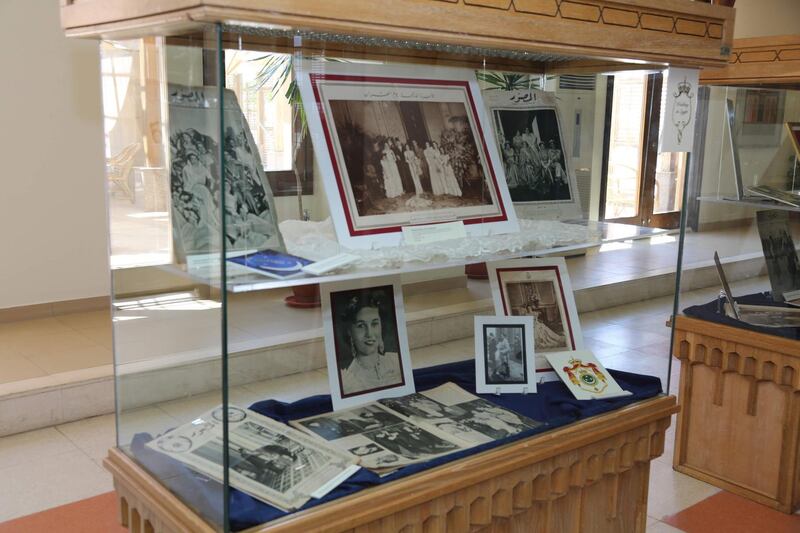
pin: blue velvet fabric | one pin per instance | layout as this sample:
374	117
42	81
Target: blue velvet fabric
711	312
552	404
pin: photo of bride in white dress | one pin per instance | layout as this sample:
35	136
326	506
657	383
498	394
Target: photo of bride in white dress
538	299
409	156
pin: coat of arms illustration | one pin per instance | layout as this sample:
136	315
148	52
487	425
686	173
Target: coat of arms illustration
682	107
586	376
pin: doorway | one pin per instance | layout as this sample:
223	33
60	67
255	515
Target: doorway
639	186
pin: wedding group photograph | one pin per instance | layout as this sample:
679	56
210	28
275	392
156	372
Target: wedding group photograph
405	156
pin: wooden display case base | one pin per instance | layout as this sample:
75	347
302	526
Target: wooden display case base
739	424
591	476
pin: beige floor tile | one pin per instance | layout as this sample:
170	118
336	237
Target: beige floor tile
53	342
150	420
630	337
48	481
189	408
31	446
89	320
38	325
661	527
672	492
93	436
102	336
18	368
291	388
57	360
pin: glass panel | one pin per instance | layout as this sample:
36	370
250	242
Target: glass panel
407	153
167	318
670	174
625	145
755	238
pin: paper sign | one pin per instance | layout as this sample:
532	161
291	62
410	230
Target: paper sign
678	110
428	233
331	263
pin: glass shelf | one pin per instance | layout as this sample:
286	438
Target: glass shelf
766	203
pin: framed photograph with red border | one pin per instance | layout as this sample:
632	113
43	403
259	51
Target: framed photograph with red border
539	288
366	343
401	145
794	135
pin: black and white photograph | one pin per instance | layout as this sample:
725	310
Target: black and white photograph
332	426
541	289
406	156
504	350
366	449
404	150
365	342
268	460
417	407
411	442
780	252
539	300
504	354
494	421
532	155
528	131
195	180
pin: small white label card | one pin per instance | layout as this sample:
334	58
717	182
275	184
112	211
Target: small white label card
332	263
428	233
584	376
678	110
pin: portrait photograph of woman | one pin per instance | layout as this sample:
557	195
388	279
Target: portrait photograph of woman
366	345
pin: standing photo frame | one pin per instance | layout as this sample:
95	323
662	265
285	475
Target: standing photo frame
504	354
528	132
398	146
539	288
366	343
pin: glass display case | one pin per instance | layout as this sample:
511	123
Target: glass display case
737	331
292	206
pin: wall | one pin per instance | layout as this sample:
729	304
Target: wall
756	18
52	203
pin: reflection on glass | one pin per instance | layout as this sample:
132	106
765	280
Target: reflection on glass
265	106
670	170
625	145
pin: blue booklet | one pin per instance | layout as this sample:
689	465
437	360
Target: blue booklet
271	263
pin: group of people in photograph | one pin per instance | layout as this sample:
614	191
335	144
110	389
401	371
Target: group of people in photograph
532	165
196	198
408	168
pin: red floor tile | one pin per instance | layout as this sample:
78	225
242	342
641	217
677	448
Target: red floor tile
92	515
727	513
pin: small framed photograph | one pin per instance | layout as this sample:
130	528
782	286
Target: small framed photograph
532	146
401	145
539	288
365	341
504	354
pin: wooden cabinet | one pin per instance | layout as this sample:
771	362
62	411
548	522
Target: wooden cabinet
739	425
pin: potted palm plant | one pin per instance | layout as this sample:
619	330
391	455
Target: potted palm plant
276	74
